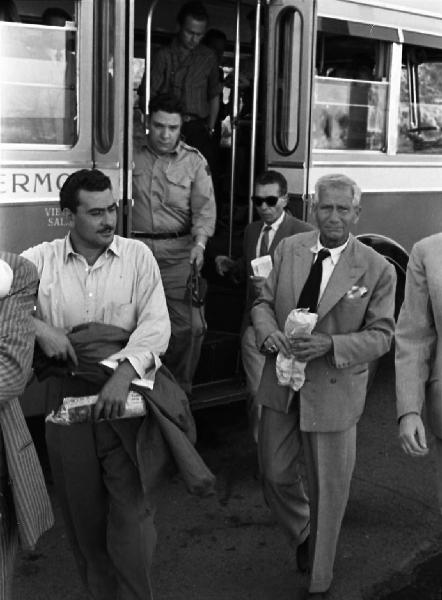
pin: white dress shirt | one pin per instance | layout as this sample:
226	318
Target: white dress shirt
272	232
328	264
6	277
123	288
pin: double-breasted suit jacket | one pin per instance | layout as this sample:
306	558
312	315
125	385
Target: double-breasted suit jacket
243	269
356	310
419	335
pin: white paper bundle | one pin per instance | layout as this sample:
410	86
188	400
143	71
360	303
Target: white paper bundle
290	371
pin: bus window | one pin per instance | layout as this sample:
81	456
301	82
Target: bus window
104	105
38	83
288	76
351	93
420	107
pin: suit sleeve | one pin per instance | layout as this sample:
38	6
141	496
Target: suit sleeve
263	310
375	336
416	338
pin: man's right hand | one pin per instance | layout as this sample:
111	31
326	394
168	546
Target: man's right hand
54	342
412	435
223	264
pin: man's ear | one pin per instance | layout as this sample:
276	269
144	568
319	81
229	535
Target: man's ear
357	214
68	217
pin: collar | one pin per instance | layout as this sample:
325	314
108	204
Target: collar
335	253
276	224
114	248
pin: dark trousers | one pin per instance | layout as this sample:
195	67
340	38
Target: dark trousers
107	516
196	134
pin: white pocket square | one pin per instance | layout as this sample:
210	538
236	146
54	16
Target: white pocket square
356	291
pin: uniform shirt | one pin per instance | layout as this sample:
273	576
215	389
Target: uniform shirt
193	78
172	192
123	288
272	232
329	263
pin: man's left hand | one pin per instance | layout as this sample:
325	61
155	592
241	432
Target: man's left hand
112	398
197	254
309	347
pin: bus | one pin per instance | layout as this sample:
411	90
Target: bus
349	86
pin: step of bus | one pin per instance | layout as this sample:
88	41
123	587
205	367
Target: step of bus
218	393
220	357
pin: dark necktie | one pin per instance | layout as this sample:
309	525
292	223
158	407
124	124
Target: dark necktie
310	291
264	246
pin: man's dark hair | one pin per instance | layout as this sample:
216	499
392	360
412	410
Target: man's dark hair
268	177
195	10
90	180
166	103
213	35
54	13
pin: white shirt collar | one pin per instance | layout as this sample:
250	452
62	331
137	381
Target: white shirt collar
335	253
275	225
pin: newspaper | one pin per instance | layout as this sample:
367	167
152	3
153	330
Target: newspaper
81	409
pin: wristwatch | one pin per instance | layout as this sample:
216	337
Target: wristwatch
211	131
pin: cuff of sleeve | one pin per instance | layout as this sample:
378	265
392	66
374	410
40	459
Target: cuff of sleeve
145	368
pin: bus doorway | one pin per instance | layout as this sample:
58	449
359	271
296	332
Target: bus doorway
218	378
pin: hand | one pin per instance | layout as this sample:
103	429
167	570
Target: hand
277	342
197	255
258	283
54	342
111	401
223	264
412	435
308	347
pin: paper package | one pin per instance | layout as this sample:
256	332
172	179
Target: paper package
289	371
81	409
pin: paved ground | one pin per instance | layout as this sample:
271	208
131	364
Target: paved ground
228	547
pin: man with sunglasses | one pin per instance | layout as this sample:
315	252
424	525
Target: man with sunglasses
260	238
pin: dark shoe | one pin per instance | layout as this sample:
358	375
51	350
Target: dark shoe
314	595
302	556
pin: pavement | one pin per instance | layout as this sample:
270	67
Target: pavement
228	547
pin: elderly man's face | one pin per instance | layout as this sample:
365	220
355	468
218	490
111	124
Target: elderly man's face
335	214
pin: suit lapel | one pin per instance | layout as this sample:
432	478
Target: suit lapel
345	274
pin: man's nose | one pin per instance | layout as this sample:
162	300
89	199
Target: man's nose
334	215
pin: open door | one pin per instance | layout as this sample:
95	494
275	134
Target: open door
290	66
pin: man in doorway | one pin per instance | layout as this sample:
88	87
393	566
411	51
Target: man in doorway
188	70
95	276
260	238
174	213
352	289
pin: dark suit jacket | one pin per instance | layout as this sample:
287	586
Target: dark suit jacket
361	326
243	269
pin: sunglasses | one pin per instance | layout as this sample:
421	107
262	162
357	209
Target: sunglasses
269	200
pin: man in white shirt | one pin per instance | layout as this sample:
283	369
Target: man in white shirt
93	275
352	289
260	238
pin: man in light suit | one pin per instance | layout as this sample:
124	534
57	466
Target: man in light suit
25	510
419	353
351	288
270	200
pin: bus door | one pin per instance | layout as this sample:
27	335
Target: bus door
113	98
290	68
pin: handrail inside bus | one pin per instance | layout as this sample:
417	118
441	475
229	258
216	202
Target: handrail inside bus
148	54
256	61
234	122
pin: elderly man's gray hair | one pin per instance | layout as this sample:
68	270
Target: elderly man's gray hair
337	181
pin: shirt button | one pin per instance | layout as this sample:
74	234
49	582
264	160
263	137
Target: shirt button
90	295
332	380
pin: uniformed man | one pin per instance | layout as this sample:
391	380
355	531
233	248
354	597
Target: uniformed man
174	213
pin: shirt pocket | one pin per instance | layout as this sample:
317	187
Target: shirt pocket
178	189
122	315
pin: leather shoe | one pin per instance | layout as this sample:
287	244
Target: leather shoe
314	595
302	556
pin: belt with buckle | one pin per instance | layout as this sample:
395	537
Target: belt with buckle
159	236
